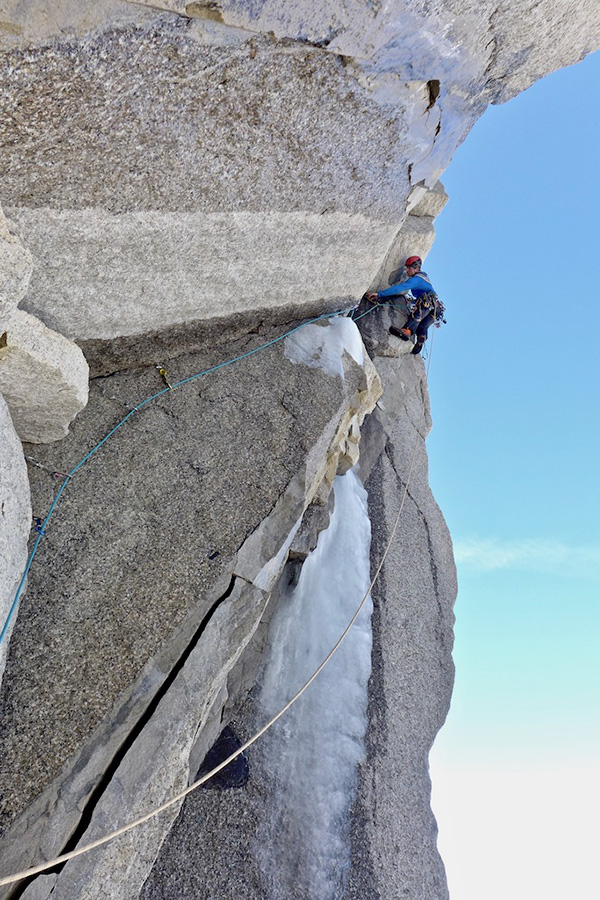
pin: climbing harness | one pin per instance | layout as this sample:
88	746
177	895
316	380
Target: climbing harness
427	304
65	857
416	307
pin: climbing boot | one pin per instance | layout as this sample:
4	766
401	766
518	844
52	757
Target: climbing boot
419	345
403	333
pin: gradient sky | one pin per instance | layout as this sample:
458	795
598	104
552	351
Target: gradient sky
515	467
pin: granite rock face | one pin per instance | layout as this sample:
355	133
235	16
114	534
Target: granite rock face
173	162
207	854
412	678
15	520
185	722
228	194
15	271
43	378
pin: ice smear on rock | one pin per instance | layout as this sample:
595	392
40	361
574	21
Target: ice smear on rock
310	757
321	346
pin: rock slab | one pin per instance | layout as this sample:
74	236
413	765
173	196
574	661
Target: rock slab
16	266
15	522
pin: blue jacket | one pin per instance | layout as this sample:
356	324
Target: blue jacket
417	284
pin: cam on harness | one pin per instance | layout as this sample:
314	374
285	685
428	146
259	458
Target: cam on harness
426	304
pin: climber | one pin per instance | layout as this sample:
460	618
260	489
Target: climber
423	304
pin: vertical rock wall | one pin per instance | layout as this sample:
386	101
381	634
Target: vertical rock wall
413	674
15	522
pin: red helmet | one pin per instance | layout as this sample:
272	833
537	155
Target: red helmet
413	261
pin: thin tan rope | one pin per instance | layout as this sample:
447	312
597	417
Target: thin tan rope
35	870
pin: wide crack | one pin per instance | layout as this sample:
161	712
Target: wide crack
97	793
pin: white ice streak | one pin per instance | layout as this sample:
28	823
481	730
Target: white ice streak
321	346
311	757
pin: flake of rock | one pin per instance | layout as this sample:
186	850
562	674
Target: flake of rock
43	377
432	202
16	265
415	238
15	522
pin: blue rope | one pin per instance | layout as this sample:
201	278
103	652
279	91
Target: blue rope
41	529
41	533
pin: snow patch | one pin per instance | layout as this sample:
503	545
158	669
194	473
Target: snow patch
321	345
310	757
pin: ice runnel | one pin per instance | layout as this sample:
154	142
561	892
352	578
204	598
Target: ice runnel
310	758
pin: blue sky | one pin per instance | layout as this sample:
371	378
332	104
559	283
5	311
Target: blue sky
515	467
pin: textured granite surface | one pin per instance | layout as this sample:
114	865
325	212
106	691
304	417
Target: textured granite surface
143	545
43	378
15	520
16	266
171	162
394	831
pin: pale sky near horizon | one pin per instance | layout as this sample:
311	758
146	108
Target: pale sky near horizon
515	466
